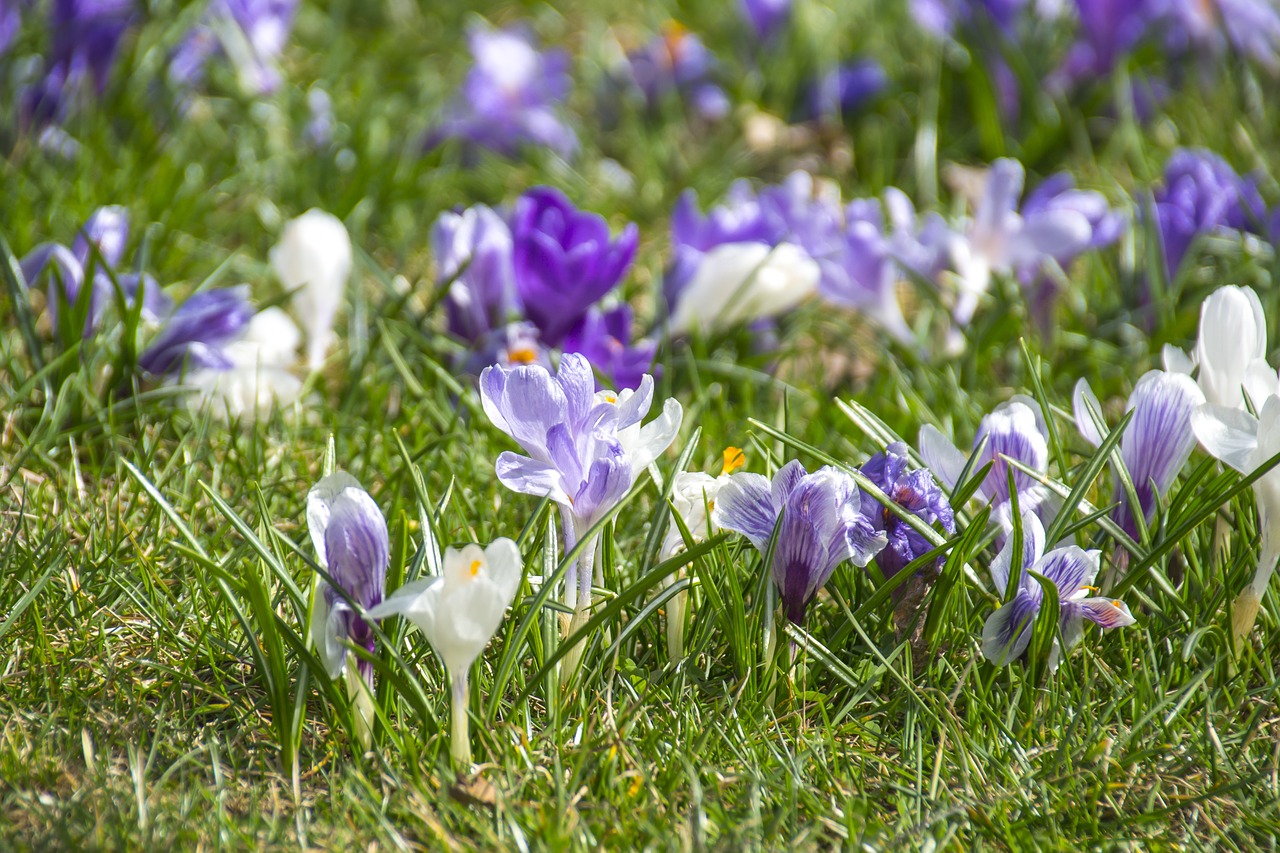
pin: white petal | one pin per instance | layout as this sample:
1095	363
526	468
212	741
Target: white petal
1177	361
313	259
319	505
656	436
1088	412
942	457
1228	434
740	282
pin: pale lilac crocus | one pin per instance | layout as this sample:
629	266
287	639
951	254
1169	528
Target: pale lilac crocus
844	90
350	536
473	255
820	524
1155	445
250	33
565	260
605	338
677	62
585	450
512	96
1013	430
867	276
1072	569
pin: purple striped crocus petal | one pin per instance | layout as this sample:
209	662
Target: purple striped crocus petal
524	402
745	505
1071	569
530	477
1106	612
785	481
942	457
328	626
1159	438
578	383
1008	631
1032	551
357	546
798	563
1010	430
198	330
607	481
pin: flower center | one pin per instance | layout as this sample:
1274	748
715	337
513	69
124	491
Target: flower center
734	458
475	567
522	355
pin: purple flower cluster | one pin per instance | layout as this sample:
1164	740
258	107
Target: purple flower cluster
677	62
914	491
85	38
250	33
511	97
518	286
767	18
844	90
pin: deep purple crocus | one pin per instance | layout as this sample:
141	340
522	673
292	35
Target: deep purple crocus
766	17
1007	632
350	537
1202	194
85	38
564	260
1156	444
251	33
822	525
511	97
194	337
473	255
1109	30
844	91
915	491
678	62
604	337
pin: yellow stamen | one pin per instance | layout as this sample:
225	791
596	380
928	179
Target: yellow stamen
522	355
475	567
1115	602
610	398
734	458
1092	589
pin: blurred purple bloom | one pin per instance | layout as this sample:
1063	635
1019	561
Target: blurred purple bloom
678	61
844	90
564	260
1156	444
10	21
740	218
866	277
1202	194
473	255
1253	26
1008	631
196	334
251	33
513	345
604	337
1109	30
85	37
510	97
914	491
766	17
921	247
822	525
352	544
320	124
944	17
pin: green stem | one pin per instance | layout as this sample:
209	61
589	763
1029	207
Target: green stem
460	739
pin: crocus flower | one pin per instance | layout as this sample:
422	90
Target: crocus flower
511	97
999	239
678	62
196	335
1155	445
512	345
766	17
867	276
917	493
822	525
352	546
604	337
844	90
473	255
1109	30
944	17
313	259
10	21
1072	570
739	219
458	613
585	449
564	260
1245	442
1013	430
1202	194
251	33
1233	336
259	375
693	494
742	282
86	36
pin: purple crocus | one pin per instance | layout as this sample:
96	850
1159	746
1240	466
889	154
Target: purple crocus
513	345
677	61
1072	569
584	449
915	491
921	246
195	336
10	21
820	523
510	98
766	17
85	38
844	91
604	337
1156	444
866	277
564	260
1202	194
740	218
1013	430
251	33
349	533
1109	30
473	255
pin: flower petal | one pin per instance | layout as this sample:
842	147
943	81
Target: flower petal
1106	612
745	506
1228	434
942	457
530	477
1088	413
1008	631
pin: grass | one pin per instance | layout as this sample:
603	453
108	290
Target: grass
155	683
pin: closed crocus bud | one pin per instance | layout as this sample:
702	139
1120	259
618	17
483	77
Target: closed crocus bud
313	260
459	612
740	282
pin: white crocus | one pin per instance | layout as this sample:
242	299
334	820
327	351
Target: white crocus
313	260
1244	442
459	612
260	375
741	282
1233	335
